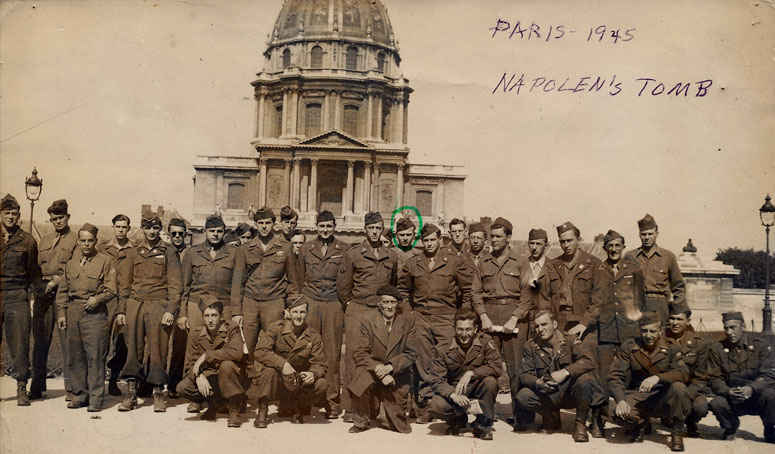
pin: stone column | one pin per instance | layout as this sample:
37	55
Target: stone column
375	189
294	111
399	185
285	114
260	116
337	110
219	190
348	208
369	116
406	122
400	121
326	113
366	186
262	165
378	133
438	195
295	188
312	198
287	177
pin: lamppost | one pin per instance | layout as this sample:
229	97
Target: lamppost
767	215
33	186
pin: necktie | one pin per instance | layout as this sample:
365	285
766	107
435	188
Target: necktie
324	249
83	261
616	269
389	326
431	263
213	253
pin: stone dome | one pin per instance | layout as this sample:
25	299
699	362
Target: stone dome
361	20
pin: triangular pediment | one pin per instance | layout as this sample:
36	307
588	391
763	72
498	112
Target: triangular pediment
334	138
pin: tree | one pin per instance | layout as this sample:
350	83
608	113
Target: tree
751	265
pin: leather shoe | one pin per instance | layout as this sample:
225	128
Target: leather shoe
357	429
74	404
113	388
728	434
637	432
194	407
691	429
580	432
676	442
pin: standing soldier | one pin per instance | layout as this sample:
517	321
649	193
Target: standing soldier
558	371
477	238
177	230
647	379
457	244
366	268
289	219
245	232
297	241
571	283
742	376
533	272
88	283
117	249
208	270
147	307
694	349
405	236
496	300
432	281
664	282
19	274
466	371
56	249
320	260
263	276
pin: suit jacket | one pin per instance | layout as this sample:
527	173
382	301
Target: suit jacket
374	346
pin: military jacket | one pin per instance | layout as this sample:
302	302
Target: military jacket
55	251
541	358
434	290
263	274
363	271
450	362
615	295
633	363
19	268
749	363
694	350
225	345
499	283
319	271
96	277
278	344
661	272
208	277
570	285
153	273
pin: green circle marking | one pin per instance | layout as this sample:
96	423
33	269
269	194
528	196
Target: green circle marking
393	223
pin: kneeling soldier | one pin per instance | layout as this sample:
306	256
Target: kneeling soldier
465	371
290	365
558	371
647	379
216	373
742	376
383	354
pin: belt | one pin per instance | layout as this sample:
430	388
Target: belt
565	309
660	294
500	299
49	277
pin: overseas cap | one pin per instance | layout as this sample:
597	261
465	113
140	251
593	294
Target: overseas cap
562	228
612	235
264	213
372	217
647	223
58	207
89	228
9	203
726	316
537	234
214	221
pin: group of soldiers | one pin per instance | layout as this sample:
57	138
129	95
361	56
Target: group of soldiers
427	325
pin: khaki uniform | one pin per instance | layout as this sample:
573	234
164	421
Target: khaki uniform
664	283
694	350
569	289
117	350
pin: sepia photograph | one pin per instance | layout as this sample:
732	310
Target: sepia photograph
349	226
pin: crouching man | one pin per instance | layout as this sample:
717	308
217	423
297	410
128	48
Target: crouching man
216	374
290	365
647	379
742	377
465	378
383	354
558	371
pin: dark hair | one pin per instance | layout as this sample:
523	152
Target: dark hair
217	306
501	225
457	221
121	217
543	312
429	229
299	232
177	222
324	216
466	314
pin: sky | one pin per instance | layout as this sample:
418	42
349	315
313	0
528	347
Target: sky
111	100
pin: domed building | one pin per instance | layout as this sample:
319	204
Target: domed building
331	126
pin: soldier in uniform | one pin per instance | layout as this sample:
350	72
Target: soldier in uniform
431	281
88	283
496	299
406	233
117	249
214	370
320	260
741	370
245	232
177	230
477	239
367	267
208	272
465	377
383	355
147	306
558	371
297	241
289	219
56	249
457	244
664	282
570	283
19	275
533	271
648	379
290	365
263	277
680	333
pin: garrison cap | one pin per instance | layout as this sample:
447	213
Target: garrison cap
612	235
150	222
727	316
649	318
58	207
176	222
294	300
404	224
9	203
372	217
680	308
325	216
242	228
537	234
502	223
429	229
214	221
476	227
264	213
91	228
390	291
647	223
287	212
210	301
562	228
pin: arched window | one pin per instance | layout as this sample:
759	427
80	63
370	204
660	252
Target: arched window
381	62
236	196
278	121
317	57
351	62
424	202
286	58
351	120
312	120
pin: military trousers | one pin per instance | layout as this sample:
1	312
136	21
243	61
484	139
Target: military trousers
483	389
271	385
393	400
87	334
227	382
581	393
352	322
327	318
44	318
144	331
116	342
728	412
431	330
657	303
258	315
15	323
669	401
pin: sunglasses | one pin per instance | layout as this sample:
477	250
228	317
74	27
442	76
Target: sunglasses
177	233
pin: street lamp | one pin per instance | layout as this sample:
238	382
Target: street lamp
33	186
767	215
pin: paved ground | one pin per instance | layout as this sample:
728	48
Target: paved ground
48	427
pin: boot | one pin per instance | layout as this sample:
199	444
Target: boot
159	404
194	407
211	413
551	421
597	429
677	440
263	409
769	433
36	388
691	429
580	431
113	389
234	404
636	432
22	400
130	402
